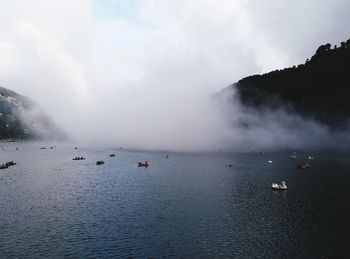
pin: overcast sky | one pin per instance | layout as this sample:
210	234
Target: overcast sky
141	68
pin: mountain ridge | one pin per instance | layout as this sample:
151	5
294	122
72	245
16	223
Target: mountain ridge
317	89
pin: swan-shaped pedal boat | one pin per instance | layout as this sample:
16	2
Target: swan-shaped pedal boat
279	186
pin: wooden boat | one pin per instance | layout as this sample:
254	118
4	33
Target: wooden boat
3	166
11	163
145	164
79	158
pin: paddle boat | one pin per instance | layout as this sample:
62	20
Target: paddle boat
279	186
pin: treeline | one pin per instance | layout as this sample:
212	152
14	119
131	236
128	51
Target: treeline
320	88
21	119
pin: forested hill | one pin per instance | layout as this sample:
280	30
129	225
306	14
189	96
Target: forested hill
320	88
22	119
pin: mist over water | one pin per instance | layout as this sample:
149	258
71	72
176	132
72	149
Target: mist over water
142	74
204	122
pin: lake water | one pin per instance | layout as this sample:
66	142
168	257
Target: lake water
187	205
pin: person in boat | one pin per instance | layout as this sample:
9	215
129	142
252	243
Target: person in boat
145	164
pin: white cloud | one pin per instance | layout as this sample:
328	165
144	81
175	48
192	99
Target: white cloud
143	75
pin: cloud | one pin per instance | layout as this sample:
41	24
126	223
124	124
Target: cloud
141	73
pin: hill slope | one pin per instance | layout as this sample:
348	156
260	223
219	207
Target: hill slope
21	119
320	88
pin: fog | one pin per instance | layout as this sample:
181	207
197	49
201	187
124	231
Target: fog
142	74
267	129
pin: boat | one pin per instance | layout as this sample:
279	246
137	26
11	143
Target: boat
3	166
304	166
100	162
145	164
269	162
11	163
294	155
279	186
79	158
311	158
112	155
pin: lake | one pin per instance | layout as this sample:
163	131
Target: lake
190	205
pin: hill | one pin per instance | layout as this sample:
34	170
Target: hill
22	119
318	89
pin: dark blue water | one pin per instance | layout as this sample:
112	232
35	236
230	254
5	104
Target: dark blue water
189	205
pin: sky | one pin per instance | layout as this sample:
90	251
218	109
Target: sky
141	73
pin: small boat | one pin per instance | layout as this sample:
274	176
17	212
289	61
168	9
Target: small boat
3	166
166	156
79	158
145	164
229	165
269	162
304	166
11	163
311	158
279	186
100	162
112	155
294	155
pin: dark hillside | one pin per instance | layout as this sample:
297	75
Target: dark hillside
21	119
320	88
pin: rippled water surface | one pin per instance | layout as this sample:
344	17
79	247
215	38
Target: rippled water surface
187	205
